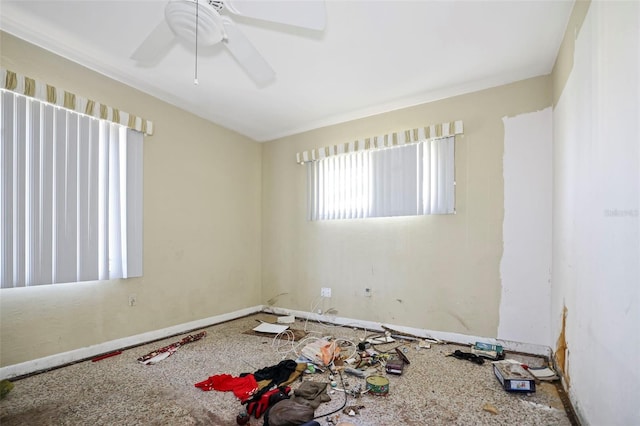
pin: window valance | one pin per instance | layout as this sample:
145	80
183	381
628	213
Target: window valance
36	89
388	140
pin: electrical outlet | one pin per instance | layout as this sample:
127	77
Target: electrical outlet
325	292
367	292
133	300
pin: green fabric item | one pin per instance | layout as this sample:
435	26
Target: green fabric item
5	388
311	393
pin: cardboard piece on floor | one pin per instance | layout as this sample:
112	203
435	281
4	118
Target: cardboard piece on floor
266	327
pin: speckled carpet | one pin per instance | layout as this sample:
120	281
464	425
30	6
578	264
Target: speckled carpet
434	389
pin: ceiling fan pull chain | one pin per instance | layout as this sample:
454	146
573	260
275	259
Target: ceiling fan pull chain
195	80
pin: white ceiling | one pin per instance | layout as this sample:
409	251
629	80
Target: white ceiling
372	57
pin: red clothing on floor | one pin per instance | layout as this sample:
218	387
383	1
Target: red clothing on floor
242	387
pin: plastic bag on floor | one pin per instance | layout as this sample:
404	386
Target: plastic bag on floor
321	351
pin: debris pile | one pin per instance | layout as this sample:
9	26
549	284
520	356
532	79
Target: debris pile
315	368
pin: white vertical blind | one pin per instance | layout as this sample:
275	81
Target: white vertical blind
70	193
406	180
438	176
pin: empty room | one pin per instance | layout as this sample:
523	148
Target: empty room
211	210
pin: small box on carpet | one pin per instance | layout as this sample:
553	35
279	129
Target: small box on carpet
487	350
395	365
513	377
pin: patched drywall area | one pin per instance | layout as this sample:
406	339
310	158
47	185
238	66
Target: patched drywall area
595	302
525	268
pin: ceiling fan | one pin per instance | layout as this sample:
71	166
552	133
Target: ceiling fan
205	23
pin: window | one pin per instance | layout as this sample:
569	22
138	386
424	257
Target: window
405	180
70	194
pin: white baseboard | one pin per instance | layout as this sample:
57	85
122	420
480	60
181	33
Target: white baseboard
526	348
58	360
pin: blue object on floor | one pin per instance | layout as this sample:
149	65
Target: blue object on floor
311	423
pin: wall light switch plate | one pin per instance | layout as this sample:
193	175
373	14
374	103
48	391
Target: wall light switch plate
325	292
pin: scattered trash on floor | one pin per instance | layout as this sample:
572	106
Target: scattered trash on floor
490	408
422	344
165	352
365	361
356	392
352	410
354	372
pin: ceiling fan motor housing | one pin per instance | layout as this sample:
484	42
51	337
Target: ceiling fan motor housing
207	22
181	17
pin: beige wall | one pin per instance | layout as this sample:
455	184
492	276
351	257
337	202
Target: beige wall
564	61
432	272
202	201
225	227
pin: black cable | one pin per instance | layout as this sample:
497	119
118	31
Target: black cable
345	399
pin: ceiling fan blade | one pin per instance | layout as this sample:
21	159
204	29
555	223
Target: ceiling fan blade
156	45
306	14
246	54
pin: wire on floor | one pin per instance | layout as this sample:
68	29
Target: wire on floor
344	404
